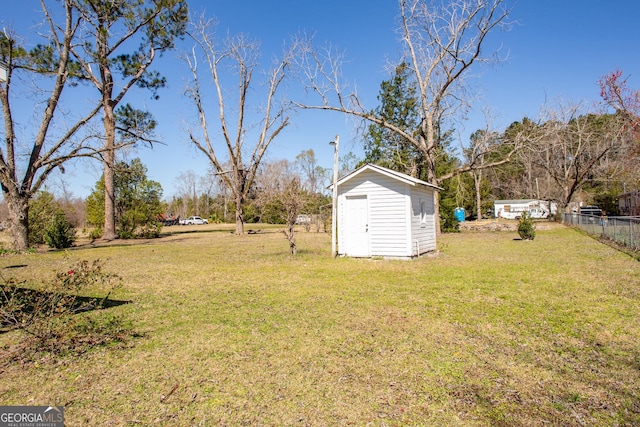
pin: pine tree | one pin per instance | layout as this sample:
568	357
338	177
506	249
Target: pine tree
398	105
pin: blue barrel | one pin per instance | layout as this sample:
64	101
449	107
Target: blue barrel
459	214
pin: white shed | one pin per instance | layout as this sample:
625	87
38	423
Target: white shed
385	213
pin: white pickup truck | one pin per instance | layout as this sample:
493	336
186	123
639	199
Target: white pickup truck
193	220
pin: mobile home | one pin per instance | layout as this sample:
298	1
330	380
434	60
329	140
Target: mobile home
513	209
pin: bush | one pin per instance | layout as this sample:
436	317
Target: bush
42	207
448	221
215	218
96	233
30	309
149	231
60	234
273	212
51	314
526	227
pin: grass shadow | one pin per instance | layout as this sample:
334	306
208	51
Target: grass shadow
18	303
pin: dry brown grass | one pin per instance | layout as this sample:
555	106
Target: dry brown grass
491	331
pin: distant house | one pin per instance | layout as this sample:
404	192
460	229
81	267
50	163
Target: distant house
385	213
513	209
629	203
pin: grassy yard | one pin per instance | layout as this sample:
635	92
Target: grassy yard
489	331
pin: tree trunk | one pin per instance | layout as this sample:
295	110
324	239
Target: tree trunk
429	154
239	215
436	212
477	181
291	237
109	184
567	196
18	206
225	213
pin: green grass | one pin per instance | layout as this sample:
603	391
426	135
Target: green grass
490	331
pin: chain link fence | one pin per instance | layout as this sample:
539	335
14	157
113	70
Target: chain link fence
622	229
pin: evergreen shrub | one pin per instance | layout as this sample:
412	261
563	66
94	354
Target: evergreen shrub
60	234
526	227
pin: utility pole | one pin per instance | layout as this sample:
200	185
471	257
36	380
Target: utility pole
334	212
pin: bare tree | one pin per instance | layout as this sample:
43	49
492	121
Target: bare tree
520	178
270	183
574	146
348	163
442	41
315	176
274	176
482	142
187	188
240	54
49	147
293	198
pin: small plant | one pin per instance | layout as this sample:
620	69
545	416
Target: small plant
6	251
60	234
149	231
25	308
526	227
95	233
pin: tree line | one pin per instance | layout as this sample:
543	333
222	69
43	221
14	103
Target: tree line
572	153
208	196
103	48
282	190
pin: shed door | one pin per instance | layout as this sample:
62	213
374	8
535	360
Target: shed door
357	226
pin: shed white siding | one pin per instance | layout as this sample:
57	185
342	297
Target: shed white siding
423	220
400	218
387	201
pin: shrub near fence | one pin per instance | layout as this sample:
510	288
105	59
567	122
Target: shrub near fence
622	229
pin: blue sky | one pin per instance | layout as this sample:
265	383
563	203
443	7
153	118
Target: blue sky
555	49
